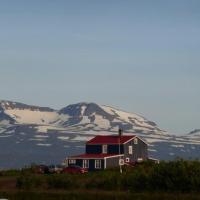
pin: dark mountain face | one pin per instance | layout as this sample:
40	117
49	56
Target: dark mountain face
77	111
92	111
194	132
5	117
72	110
15	105
85	109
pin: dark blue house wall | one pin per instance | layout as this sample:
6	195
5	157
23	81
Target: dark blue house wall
114	149
93	149
97	149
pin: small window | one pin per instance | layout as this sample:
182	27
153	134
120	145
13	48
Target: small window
85	163
135	141
97	164
140	159
72	161
104	149
127	159
130	149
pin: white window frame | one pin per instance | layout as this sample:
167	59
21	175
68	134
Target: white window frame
97	164
127	159
85	163
130	149
105	148
135	141
72	161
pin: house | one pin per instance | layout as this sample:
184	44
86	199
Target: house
109	151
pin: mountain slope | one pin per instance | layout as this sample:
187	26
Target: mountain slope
87	116
26	114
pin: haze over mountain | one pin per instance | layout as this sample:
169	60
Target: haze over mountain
33	134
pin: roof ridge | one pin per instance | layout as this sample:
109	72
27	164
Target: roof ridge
110	139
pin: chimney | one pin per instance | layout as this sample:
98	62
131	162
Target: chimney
120	132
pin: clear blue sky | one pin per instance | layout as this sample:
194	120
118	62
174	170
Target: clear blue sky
141	56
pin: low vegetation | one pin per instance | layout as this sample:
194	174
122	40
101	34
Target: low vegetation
173	178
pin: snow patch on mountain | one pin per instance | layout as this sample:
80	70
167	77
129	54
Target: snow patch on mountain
32	117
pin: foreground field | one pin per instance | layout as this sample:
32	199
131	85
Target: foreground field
89	195
167	180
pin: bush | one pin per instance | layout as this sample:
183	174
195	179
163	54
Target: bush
61	182
174	176
29	182
10	172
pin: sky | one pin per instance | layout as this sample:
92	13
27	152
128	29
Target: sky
138	55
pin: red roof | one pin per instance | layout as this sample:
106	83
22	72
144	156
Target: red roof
87	156
110	139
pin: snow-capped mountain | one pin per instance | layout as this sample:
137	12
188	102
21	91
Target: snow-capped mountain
89	116
195	135
41	134
195	132
25	114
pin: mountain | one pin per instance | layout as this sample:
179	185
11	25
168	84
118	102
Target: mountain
194	135
195	132
90	116
44	135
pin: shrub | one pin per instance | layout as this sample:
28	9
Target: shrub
61	182
29	182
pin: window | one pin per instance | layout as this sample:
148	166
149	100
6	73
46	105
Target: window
85	163
72	161
135	141
97	164
104	149
127	159
130	149
140	159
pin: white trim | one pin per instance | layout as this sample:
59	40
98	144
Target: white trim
86	163
153	159
114	156
104	148
130	150
72	161
129	140
97	158
121	143
135	141
136	137
127	159
104	163
142	140
97	166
